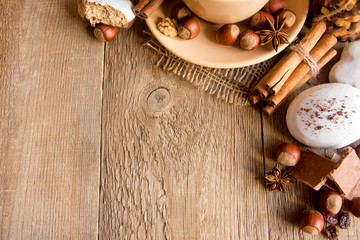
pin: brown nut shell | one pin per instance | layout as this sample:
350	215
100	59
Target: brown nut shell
329	202
357	150
180	11
258	20
274	5
290	17
249	40
189	28
131	22
104	32
311	222
227	34
287	154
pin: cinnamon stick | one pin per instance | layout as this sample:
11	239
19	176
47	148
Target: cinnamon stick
294	59
320	49
146	7
283	69
290	87
260	89
254	98
140	6
262	92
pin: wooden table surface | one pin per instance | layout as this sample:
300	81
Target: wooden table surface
98	142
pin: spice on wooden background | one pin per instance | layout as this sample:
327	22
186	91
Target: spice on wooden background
277	179
295	68
289	62
274	34
294	82
144	8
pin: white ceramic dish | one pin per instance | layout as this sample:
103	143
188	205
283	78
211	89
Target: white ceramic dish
205	51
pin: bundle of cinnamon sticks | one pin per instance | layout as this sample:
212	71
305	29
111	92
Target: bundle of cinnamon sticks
144	8
292	71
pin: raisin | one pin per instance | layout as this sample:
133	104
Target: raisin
332	232
344	221
330	219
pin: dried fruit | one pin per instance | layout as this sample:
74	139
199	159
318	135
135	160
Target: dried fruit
330	219
332	232
344	221
277	178
354	206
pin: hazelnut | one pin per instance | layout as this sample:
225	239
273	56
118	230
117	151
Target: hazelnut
105	32
311	222
329	202
354	206
258	20
274	5
249	40
357	150
227	34
129	24
189	27
290	17
287	154
180	11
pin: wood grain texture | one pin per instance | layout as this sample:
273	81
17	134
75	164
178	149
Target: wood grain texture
171	161
284	208
176	162
50	112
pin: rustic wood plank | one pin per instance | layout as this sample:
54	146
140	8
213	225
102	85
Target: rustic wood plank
50	112
284	209
176	162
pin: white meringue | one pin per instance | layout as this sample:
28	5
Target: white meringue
325	116
347	69
125	6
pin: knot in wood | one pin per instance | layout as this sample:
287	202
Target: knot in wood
158	99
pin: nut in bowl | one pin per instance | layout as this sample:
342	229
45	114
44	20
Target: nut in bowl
225	11
205	50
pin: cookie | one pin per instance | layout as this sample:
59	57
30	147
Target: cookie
342	18
347	35
347	69
116	13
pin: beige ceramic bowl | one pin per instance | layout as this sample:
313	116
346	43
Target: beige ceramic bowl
225	11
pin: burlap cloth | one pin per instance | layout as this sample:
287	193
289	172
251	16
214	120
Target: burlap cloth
230	85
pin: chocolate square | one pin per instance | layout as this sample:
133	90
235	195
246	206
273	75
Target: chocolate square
329	183
346	174
313	169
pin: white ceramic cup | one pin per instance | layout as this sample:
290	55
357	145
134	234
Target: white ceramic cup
225	11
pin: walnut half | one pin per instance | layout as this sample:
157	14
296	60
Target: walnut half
167	26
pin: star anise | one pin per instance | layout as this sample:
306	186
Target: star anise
276	179
274	34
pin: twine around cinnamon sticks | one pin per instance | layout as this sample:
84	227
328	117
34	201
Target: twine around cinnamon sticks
292	71
145	8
